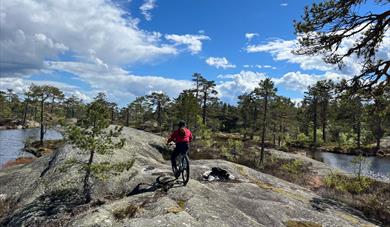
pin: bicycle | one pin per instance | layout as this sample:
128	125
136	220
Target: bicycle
182	168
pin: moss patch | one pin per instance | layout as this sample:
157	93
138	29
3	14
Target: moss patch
268	186
181	203
174	210
127	212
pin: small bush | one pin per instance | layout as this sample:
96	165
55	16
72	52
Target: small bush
301	141
354	185
294	166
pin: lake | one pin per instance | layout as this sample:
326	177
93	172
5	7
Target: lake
378	168
12	141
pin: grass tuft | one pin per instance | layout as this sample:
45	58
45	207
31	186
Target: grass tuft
127	212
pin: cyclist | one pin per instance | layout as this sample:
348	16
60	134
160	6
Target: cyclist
182	137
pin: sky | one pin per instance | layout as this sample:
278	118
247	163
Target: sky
130	48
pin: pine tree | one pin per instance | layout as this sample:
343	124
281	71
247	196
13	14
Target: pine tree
267	91
326	25
93	136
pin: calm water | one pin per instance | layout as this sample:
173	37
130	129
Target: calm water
378	168
12	141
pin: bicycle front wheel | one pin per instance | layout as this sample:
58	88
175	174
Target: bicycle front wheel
186	170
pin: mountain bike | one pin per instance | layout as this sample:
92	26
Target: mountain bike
182	168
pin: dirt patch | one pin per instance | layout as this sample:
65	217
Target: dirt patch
35	148
18	161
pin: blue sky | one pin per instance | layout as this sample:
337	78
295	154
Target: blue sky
132	48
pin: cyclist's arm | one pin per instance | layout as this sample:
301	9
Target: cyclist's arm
172	137
190	137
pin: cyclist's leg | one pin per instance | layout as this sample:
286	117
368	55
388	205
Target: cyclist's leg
174	154
185	149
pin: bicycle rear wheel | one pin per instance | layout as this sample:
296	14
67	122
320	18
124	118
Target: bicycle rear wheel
186	169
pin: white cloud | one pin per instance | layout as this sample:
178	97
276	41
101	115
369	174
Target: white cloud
146	7
237	84
259	66
284	4
297	101
250	36
219	62
282	51
20	85
34	31
193	42
233	85
297	81
120	85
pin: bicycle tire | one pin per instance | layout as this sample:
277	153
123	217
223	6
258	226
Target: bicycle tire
186	169
175	170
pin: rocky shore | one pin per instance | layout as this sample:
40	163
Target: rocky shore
47	192
17	124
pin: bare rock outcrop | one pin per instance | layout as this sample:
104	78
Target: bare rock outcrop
47	192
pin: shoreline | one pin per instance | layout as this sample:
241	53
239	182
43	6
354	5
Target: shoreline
367	152
9	124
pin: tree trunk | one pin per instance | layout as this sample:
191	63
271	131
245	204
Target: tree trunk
245	125
204	108
52	105
25	113
159	120
72	111
315	123
112	115
274	135
197	102
358	130
254	121
279	136
41	121
324	117
127	117
86	183
264	128
378	133
378	143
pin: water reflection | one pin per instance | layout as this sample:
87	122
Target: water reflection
12	141
375	167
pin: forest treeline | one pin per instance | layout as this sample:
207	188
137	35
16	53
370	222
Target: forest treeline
325	116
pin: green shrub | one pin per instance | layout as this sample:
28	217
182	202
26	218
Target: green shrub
294	166
320	141
301	141
354	185
205	134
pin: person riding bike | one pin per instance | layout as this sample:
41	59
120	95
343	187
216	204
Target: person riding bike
182	137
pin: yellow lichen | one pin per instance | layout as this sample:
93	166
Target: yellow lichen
174	210
268	186
181	203
347	217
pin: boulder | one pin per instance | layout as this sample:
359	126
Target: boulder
48	192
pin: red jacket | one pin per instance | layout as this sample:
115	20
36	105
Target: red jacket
181	135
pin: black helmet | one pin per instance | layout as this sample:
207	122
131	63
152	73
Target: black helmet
181	124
